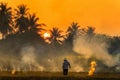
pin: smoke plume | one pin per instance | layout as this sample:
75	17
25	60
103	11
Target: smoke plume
46	58
93	47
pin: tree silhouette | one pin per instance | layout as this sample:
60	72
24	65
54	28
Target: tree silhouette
33	24
56	36
90	31
71	33
34	28
21	19
5	19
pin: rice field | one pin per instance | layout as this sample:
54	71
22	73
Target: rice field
58	76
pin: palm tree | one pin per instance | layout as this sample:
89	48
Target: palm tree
71	32
5	19
90	31
21	19
34	28
56	36
33	24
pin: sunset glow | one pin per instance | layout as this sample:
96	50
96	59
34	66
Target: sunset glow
60	38
46	35
104	15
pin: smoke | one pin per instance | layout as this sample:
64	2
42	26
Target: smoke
48	61
29	58
32	58
94	47
47	58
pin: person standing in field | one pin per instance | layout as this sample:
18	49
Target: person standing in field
66	66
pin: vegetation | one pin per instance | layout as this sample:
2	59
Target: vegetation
58	76
5	19
19	28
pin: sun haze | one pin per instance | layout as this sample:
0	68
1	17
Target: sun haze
104	15
46	35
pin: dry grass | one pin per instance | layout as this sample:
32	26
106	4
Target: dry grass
57	76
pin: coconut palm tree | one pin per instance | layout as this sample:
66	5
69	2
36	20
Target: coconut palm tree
21	19
90	31
56	36
73	28
71	32
34	26
5	19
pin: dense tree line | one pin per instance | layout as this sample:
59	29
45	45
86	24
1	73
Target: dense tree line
19	28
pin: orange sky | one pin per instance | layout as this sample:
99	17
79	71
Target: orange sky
104	15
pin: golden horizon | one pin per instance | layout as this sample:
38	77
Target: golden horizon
101	14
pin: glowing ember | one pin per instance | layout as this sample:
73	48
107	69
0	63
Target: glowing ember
46	35
92	68
13	71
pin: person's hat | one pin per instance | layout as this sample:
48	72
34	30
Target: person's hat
65	59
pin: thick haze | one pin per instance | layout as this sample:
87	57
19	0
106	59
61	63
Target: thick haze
102	14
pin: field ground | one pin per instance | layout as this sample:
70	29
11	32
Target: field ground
57	76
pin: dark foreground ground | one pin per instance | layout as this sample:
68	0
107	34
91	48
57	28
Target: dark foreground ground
57	76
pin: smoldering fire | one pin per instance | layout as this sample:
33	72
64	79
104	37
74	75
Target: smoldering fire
13	71
92	68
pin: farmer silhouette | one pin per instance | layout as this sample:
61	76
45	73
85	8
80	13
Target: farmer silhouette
66	66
